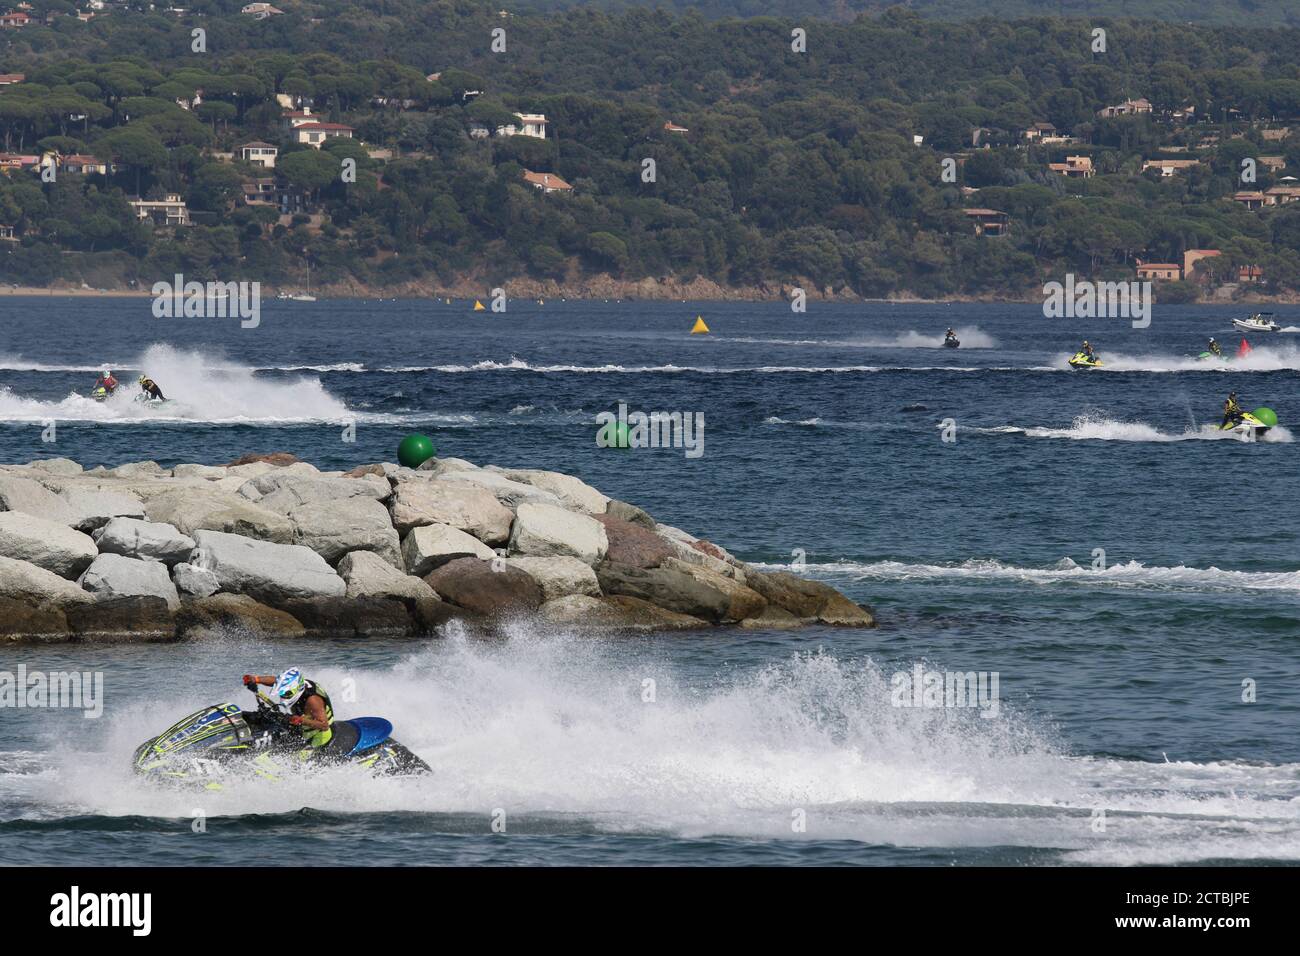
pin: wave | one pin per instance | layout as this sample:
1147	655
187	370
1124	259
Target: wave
16	363
1261	358
199	391
971	337
1127	574
1098	428
550	725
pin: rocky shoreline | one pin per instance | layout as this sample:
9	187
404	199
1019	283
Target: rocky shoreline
269	546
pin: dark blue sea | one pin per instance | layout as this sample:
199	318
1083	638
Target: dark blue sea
1131	576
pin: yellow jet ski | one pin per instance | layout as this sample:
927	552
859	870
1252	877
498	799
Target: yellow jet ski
1081	360
1252	425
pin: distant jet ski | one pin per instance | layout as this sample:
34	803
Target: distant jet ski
1259	322
950	341
1081	360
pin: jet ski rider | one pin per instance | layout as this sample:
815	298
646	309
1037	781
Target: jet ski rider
307	702
949	335
107	381
1214	348
150	389
1231	411
1087	350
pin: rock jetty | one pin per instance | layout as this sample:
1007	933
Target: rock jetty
270	546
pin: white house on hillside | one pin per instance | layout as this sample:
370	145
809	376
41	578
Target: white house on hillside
530	124
258	154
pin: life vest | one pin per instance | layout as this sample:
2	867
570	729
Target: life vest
316	738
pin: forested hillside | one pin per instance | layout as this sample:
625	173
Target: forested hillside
771	166
1235	12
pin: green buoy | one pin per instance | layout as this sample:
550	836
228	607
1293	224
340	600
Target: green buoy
1266	415
613	435
415	450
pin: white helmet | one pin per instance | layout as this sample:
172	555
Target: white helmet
289	687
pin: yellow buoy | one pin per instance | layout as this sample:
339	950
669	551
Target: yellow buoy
699	327
479	306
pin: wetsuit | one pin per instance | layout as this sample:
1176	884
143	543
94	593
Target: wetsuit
152	390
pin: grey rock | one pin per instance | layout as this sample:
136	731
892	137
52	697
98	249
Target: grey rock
113	576
23	581
470	508
46	544
332	528
543	531
559	577
93	508
428	546
147	540
194	582
264	570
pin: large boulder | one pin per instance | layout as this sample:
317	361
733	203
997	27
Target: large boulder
31	497
544	531
64	467
428	546
704	594
467	507
507	491
94	508
582	611
147	540
572	492
112	576
626	512
559	577
809	600
21	622
367	575
283	492
353	617
275	459
490	588
139	469
194	509
23	581
234	615
333	528
634	544
746	602
129	619
46	544
773	618
196	582
703	554
263	570
206	472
